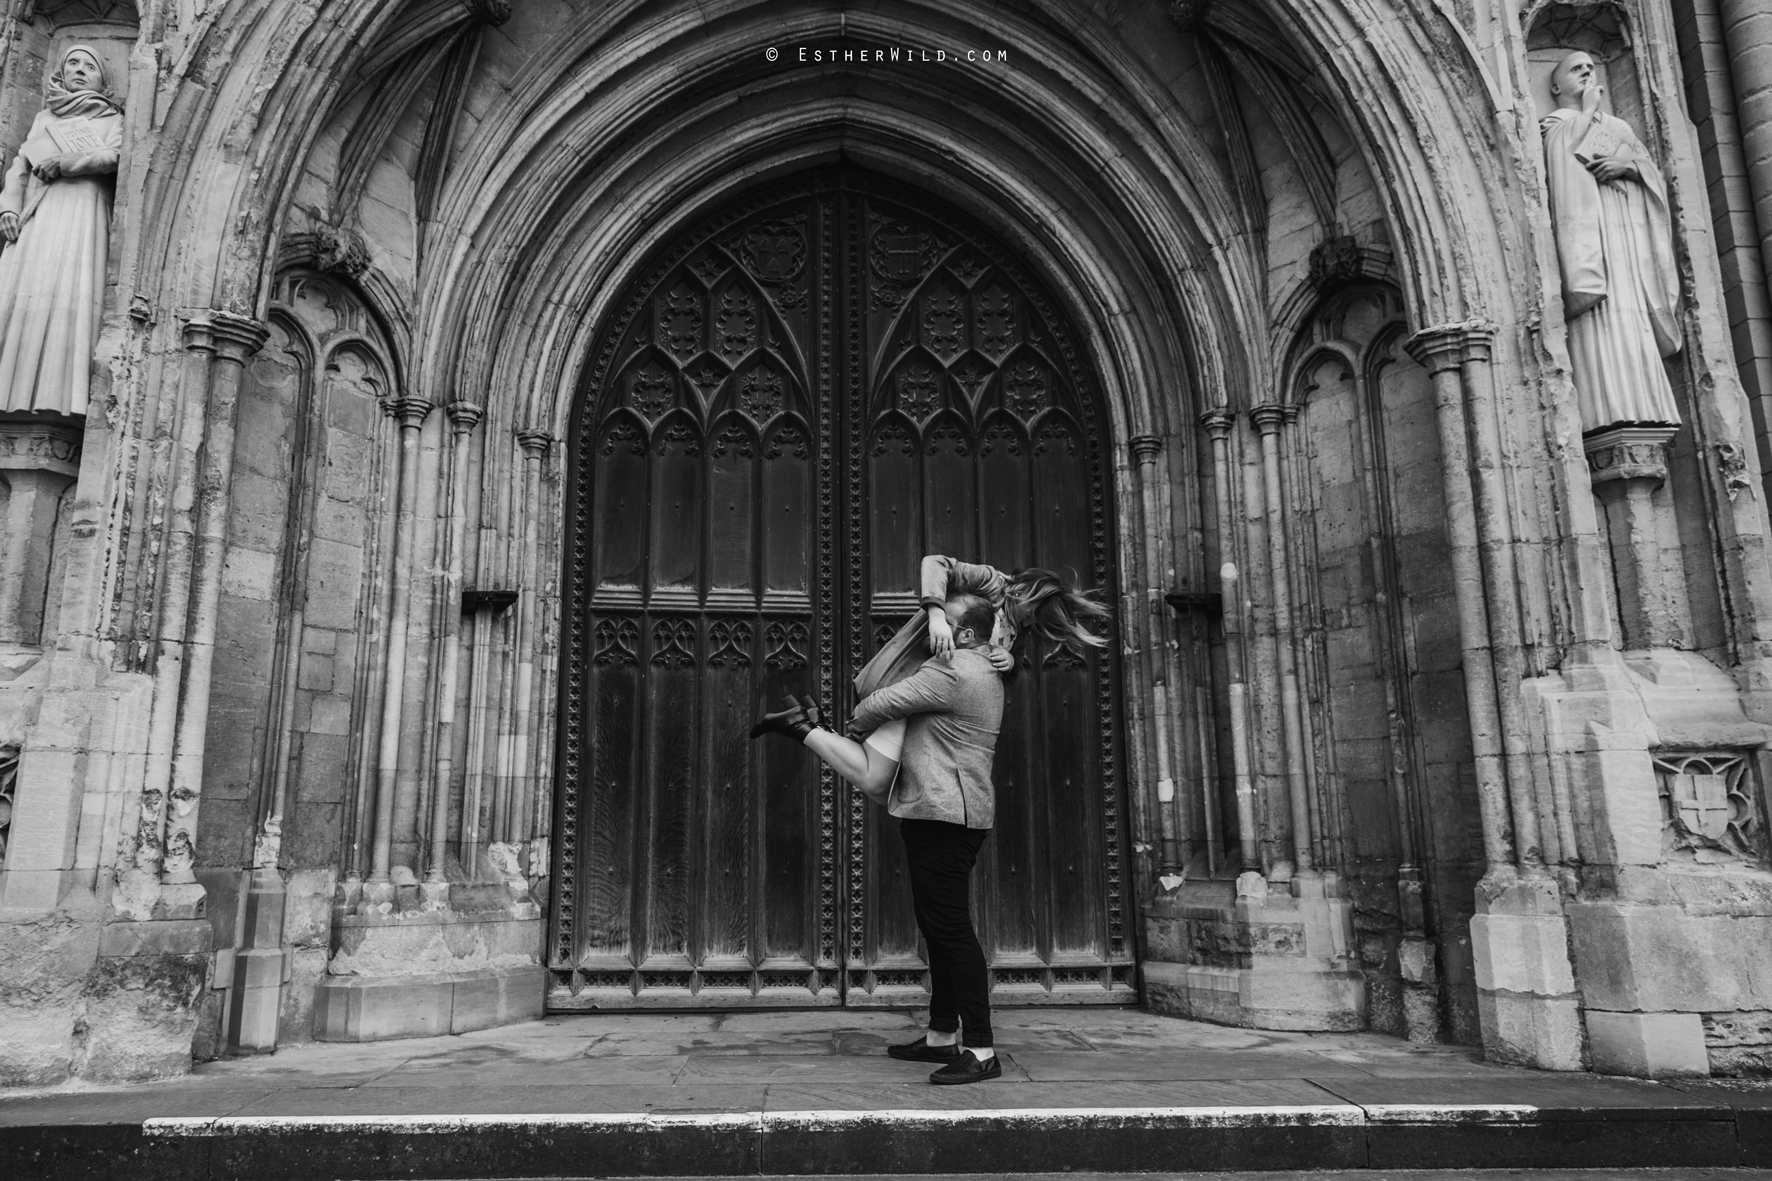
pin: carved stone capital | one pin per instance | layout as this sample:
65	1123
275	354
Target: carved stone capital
1289	411
1479	339
227	335
1218	422
535	443
1267	417
1145	448
1439	348
464	416
410	412
1628	453
41	442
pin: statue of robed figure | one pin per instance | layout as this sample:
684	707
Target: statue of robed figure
1621	289
55	220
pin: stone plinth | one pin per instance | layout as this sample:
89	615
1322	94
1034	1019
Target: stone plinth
1526	996
421	973
1260	959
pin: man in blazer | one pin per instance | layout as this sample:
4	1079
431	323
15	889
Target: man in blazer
943	798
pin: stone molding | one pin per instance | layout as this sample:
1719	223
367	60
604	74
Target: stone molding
1218	422
1145	448
41	443
226	335
411	412
464	416
1628	453
1267	417
535	443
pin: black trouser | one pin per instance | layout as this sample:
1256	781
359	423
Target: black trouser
941	857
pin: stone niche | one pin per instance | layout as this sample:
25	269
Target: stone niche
1601	31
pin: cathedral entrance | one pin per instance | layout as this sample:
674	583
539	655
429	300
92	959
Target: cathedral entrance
795	400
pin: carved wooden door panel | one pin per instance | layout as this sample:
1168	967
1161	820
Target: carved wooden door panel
803	394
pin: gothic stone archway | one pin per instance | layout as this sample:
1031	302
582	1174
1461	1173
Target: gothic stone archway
798	397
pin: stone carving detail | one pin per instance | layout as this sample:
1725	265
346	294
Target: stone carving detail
787	641
1614	235
618	642
679	434
8	793
341	252
624	432
948	435
1335	262
1000	434
901	254
1709	812
55	224
1732	464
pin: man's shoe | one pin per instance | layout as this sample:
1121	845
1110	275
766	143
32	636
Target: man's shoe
921	1051
968	1069
794	722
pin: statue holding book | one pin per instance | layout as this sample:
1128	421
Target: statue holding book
55	228
1621	288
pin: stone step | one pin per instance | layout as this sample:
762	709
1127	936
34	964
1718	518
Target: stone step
954	1133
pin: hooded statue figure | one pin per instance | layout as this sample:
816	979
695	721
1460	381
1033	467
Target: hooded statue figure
55	224
1621	288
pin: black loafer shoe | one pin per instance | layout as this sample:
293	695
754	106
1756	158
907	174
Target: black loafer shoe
968	1069
921	1051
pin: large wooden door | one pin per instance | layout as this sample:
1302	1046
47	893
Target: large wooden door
798	398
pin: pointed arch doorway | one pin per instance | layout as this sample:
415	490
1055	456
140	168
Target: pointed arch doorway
795	399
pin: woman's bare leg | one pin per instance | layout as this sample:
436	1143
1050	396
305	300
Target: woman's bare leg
855	761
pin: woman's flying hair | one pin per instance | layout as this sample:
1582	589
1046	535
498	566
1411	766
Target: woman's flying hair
1041	602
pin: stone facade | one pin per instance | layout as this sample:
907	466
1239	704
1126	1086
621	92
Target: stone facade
1440	717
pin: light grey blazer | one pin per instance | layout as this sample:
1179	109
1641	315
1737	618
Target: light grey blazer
953	713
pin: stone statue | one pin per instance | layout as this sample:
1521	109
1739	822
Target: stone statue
1621	290
55	220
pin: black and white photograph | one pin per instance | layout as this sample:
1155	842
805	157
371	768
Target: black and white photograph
863	588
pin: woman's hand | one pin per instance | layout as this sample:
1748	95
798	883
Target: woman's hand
9	226
941	634
48	169
1001	659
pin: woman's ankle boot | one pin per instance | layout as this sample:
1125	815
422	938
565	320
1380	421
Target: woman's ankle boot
793	722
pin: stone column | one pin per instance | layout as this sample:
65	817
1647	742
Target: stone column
1441	351
1145	450
463	416
1747	31
1219	423
1267	419
229	340
1628	463
39	460
1519	937
379	890
535	444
